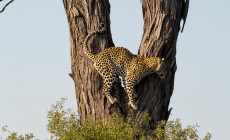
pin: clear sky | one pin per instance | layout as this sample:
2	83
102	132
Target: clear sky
35	62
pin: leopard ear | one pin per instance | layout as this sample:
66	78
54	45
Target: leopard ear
162	59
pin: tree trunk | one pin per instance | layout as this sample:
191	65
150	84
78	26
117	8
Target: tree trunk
161	27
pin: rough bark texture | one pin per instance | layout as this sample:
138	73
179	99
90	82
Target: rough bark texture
161	27
83	17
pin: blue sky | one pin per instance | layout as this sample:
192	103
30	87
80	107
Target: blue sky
35	62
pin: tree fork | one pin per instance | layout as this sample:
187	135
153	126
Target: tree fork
161	27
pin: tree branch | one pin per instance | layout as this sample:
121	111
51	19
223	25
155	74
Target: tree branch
5	5
184	12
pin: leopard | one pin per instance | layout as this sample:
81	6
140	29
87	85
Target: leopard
114	62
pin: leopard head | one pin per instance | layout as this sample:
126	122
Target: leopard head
156	65
161	68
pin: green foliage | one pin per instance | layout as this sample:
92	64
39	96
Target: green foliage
63	124
172	130
15	136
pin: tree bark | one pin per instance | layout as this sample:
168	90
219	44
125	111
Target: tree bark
83	17
161	27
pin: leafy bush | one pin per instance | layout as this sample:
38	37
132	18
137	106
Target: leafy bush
15	136
173	131
63	124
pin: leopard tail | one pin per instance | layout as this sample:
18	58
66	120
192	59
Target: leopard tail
85	48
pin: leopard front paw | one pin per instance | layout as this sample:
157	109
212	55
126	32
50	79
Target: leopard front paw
112	100
133	105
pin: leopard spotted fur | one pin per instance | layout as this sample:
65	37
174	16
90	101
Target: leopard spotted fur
120	62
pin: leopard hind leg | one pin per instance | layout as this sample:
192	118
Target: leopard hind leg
109	78
129	87
107	86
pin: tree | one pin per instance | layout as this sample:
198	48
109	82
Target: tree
161	27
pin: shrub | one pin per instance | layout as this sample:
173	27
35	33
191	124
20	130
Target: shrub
63	124
15	136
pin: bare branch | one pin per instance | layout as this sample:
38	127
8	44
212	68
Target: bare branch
5	5
185	12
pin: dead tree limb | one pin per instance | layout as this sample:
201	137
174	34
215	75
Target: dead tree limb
6	5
